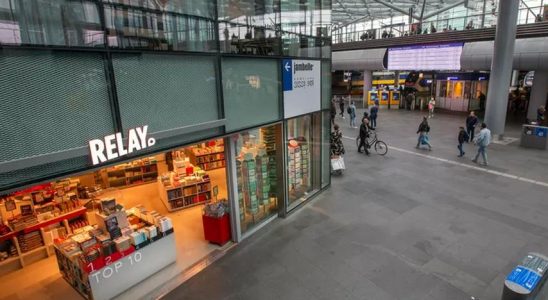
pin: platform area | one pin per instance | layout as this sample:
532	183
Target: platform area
414	224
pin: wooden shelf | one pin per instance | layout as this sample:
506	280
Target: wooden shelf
71	215
163	191
10	260
41	248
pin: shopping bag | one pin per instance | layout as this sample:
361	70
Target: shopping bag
424	139
337	163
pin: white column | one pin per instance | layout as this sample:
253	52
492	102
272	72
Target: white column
501	66
539	92
367	84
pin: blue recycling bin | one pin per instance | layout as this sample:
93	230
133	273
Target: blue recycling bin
534	136
526	280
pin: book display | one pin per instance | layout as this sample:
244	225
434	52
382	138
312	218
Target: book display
186	186
208	156
35	217
108	251
256	175
135	172
298	166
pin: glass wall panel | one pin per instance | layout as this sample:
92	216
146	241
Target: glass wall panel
300	46
51	101
203	8
326	147
263	13
241	39
302	17
258	164
326	47
326	85
303	157
251	90
55	23
326	18
134	28
165	91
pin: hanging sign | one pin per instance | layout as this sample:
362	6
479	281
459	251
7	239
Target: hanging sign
301	86
113	146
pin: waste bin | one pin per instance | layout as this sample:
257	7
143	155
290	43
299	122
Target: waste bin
534	136
526	280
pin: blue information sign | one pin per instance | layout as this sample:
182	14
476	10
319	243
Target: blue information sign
524	277
287	74
541	132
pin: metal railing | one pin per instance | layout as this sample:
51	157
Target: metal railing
525	16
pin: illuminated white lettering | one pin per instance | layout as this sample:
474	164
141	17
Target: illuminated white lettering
110	146
142	133
96	147
120	143
133	141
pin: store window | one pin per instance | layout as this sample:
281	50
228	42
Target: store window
165	91
52	23
250	12
136	28
300	46
122	216
248	40
302	17
202	8
258	166
251	92
303	158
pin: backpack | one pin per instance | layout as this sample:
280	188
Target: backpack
349	110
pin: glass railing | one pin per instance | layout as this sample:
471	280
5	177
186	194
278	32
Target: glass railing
344	35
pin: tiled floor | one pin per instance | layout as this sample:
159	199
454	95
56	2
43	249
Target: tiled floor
410	225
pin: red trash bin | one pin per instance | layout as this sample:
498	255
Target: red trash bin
217	230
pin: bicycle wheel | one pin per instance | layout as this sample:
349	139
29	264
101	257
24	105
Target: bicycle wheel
381	148
358	141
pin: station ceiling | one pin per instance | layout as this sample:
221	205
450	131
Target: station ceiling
346	12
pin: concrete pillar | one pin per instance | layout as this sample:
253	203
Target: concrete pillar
367	84
515	77
501	66
539	92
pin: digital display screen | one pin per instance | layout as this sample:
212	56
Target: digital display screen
374	96
425	57
396	96
384	96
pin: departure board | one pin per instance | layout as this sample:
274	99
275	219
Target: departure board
425	57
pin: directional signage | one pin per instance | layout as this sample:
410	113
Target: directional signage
524	277
301	80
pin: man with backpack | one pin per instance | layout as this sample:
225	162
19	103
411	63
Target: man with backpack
483	140
351	110
373	112
463	137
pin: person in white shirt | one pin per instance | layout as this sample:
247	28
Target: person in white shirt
482	140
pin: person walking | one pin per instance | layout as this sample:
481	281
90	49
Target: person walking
423	131
373	113
471	122
482	141
431	106
341	106
541	111
333	111
364	134
482	100
410	99
352	113
463	137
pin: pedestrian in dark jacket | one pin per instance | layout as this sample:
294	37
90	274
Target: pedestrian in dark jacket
471	122
373	112
423	131
333	111
364	134
341	106
463	137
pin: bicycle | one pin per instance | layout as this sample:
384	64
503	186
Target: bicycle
372	141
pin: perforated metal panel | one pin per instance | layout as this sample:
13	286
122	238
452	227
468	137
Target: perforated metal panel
16	179
51	101
251	90
165	91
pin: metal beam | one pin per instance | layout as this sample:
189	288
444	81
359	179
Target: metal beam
346	10
448	7
528	8
389	5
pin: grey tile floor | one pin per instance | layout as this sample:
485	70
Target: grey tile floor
402	226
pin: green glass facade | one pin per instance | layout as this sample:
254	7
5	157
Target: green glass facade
73	71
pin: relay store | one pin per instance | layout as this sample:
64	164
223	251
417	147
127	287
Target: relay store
138	218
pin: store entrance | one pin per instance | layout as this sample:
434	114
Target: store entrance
187	186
